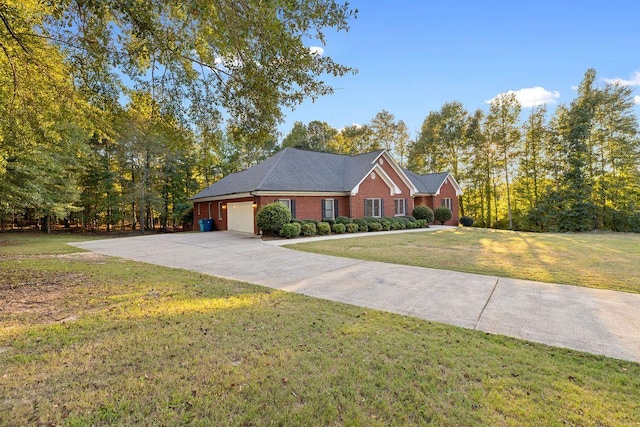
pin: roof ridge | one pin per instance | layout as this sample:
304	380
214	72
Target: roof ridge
264	178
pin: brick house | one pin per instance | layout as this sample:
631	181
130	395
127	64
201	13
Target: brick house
316	185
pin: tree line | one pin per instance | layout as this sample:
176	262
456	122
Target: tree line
577	169
113	113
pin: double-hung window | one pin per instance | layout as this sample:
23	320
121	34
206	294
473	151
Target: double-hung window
373	207
400	207
289	204
329	209
446	202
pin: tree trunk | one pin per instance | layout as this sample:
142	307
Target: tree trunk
46	224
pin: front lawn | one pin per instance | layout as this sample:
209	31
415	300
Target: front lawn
91	340
596	260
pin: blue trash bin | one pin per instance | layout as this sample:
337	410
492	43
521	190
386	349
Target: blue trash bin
208	224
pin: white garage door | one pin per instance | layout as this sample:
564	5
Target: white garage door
240	216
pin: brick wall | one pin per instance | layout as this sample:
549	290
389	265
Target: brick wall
375	187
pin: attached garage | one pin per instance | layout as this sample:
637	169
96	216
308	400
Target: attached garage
240	216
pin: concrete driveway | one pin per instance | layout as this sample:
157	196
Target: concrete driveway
596	321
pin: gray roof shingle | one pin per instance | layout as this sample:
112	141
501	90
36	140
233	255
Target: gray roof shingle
429	183
299	170
296	170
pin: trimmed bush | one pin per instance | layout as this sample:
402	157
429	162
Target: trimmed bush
466	221
323	228
343	220
352	227
329	221
410	218
290	230
309	229
338	228
386	225
372	219
375	226
362	224
422	223
310	221
442	214
423	212
272	217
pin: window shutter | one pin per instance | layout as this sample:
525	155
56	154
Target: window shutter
335	209
381	208
365	207
323	209
293	208
406	207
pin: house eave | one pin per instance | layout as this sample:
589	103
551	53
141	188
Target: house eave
222	197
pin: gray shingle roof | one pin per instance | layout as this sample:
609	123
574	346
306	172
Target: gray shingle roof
429	183
296	170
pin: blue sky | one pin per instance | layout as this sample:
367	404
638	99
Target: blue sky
413	56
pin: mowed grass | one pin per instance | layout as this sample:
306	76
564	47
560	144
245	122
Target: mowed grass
596	260
92	340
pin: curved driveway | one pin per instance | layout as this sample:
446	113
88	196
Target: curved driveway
592	320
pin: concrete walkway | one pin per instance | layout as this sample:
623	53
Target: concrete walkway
592	320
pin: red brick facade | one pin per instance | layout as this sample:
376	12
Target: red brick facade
447	191
374	187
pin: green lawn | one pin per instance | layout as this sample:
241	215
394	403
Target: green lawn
91	340
596	260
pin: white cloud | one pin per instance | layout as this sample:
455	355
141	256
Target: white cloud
533	96
633	81
637	99
316	50
574	87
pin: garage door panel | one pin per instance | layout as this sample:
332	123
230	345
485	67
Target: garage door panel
240	216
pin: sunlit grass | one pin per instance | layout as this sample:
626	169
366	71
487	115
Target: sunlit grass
147	345
597	260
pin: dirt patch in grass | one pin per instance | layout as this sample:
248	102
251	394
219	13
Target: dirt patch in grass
40	295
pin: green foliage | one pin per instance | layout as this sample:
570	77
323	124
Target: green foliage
290	230
362	224
310	221
323	228
352	228
272	217
329	221
372	219
338	228
422	223
466	221
423	212
308	229
386	224
343	220
375	226
442	214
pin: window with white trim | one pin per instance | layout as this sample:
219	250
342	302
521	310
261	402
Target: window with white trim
289	204
372	207
329	209
285	202
446	201
220	211
400	207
